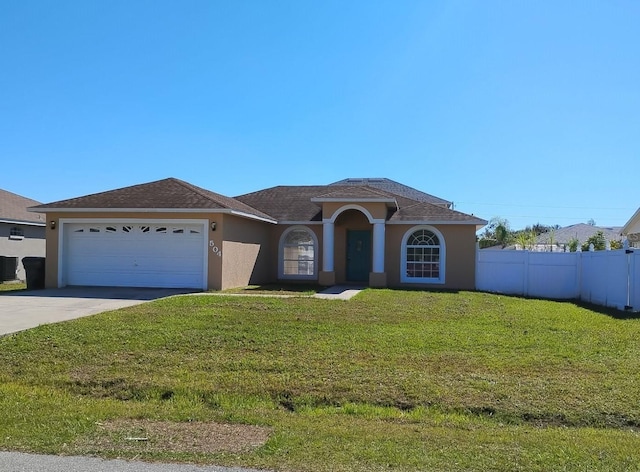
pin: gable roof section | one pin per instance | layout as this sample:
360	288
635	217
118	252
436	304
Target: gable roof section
633	225
421	212
395	188
13	209
168	194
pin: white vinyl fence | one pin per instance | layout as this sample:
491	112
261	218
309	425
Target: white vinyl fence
607	278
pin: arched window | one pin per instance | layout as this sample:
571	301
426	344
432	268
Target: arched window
298	254
423	256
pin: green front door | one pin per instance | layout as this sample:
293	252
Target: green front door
358	256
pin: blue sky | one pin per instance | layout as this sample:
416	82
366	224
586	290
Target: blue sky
524	110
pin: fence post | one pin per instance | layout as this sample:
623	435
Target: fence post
477	263
631	279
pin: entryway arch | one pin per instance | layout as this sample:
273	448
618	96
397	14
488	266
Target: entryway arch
357	244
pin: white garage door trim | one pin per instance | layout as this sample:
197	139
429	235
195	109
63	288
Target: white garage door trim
65	223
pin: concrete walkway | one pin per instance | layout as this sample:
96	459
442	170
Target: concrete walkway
339	292
20	462
27	309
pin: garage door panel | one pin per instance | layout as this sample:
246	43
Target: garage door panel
135	254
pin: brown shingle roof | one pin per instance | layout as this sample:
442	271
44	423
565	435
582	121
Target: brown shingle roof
13	207
168	193
282	203
364	193
396	188
294	203
429	212
287	203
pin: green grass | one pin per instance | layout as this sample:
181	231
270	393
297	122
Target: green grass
12	286
390	380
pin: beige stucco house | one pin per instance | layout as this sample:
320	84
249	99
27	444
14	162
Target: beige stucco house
22	234
169	233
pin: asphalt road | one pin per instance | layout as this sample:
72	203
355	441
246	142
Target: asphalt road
20	462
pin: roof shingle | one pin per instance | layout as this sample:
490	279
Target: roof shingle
396	188
168	193
13	207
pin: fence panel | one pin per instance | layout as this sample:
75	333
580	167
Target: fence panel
500	271
604	278
553	275
607	278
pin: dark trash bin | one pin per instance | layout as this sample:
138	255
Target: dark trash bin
34	267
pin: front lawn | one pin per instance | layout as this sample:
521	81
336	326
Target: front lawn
389	380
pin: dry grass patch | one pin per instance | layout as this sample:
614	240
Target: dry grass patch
198	437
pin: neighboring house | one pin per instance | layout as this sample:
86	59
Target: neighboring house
169	233
558	240
21	234
631	230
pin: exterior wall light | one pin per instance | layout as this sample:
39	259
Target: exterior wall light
213	226
52	224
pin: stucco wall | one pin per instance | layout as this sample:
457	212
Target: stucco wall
377	210
460	244
32	244
245	252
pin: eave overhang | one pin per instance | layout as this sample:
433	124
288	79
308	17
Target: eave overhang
154	210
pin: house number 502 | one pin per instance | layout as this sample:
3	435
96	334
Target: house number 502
215	249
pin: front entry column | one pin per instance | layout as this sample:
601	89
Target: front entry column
327	276
378	277
378	247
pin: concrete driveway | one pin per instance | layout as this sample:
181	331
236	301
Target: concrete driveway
26	309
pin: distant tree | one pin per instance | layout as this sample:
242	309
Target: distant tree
598	240
538	229
526	239
497	232
573	244
616	244
591	222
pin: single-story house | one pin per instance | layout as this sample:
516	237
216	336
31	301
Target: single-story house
170	233
631	230
558	240
22	234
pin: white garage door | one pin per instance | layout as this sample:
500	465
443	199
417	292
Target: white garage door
134	254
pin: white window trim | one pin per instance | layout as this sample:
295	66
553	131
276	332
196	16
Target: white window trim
403	258
16	233
283	236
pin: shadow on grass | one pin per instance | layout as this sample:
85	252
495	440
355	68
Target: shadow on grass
608	311
603	310
279	289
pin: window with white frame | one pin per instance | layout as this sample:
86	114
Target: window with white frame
16	233
298	253
423	256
